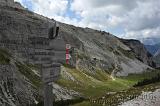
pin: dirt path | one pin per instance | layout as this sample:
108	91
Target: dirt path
115	66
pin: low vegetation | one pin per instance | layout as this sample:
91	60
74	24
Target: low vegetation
93	84
26	70
148	81
4	56
116	97
64	102
127	53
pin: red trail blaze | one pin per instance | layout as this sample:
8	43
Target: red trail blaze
68	46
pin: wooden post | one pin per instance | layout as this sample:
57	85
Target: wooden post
48	96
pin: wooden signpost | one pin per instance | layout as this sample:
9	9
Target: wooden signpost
48	53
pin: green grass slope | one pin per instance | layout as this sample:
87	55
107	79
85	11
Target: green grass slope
125	91
94	85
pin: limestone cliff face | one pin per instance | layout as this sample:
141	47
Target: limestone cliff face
92	51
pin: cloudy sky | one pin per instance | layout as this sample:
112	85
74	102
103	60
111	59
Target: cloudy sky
123	18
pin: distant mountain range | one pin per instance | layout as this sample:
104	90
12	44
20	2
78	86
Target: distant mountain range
157	58
155	51
150	41
153	48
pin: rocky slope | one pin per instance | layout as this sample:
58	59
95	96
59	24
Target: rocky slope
95	56
104	51
15	88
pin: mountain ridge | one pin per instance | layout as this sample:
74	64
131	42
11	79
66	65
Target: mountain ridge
150	40
153	48
157	58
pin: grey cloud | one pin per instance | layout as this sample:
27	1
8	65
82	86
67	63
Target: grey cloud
127	4
145	16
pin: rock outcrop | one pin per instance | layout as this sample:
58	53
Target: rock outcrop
141	53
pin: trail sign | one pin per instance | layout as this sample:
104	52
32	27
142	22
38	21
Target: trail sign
43	46
50	72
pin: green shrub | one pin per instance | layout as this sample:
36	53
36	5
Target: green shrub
127	53
148	81
27	72
4	56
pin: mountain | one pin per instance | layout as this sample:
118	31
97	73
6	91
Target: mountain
155	51
98	58
157	58
153	48
139	49
150	41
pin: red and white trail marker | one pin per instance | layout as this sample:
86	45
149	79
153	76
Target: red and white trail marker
68	56
68	46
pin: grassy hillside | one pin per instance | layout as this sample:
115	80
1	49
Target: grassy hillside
96	87
114	99
121	88
93	85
